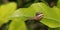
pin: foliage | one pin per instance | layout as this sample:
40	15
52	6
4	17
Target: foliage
51	15
6	10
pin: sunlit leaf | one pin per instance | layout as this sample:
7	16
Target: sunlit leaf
18	24
6	10
51	15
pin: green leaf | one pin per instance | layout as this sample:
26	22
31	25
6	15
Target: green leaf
19	17
51	15
6	10
18	24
